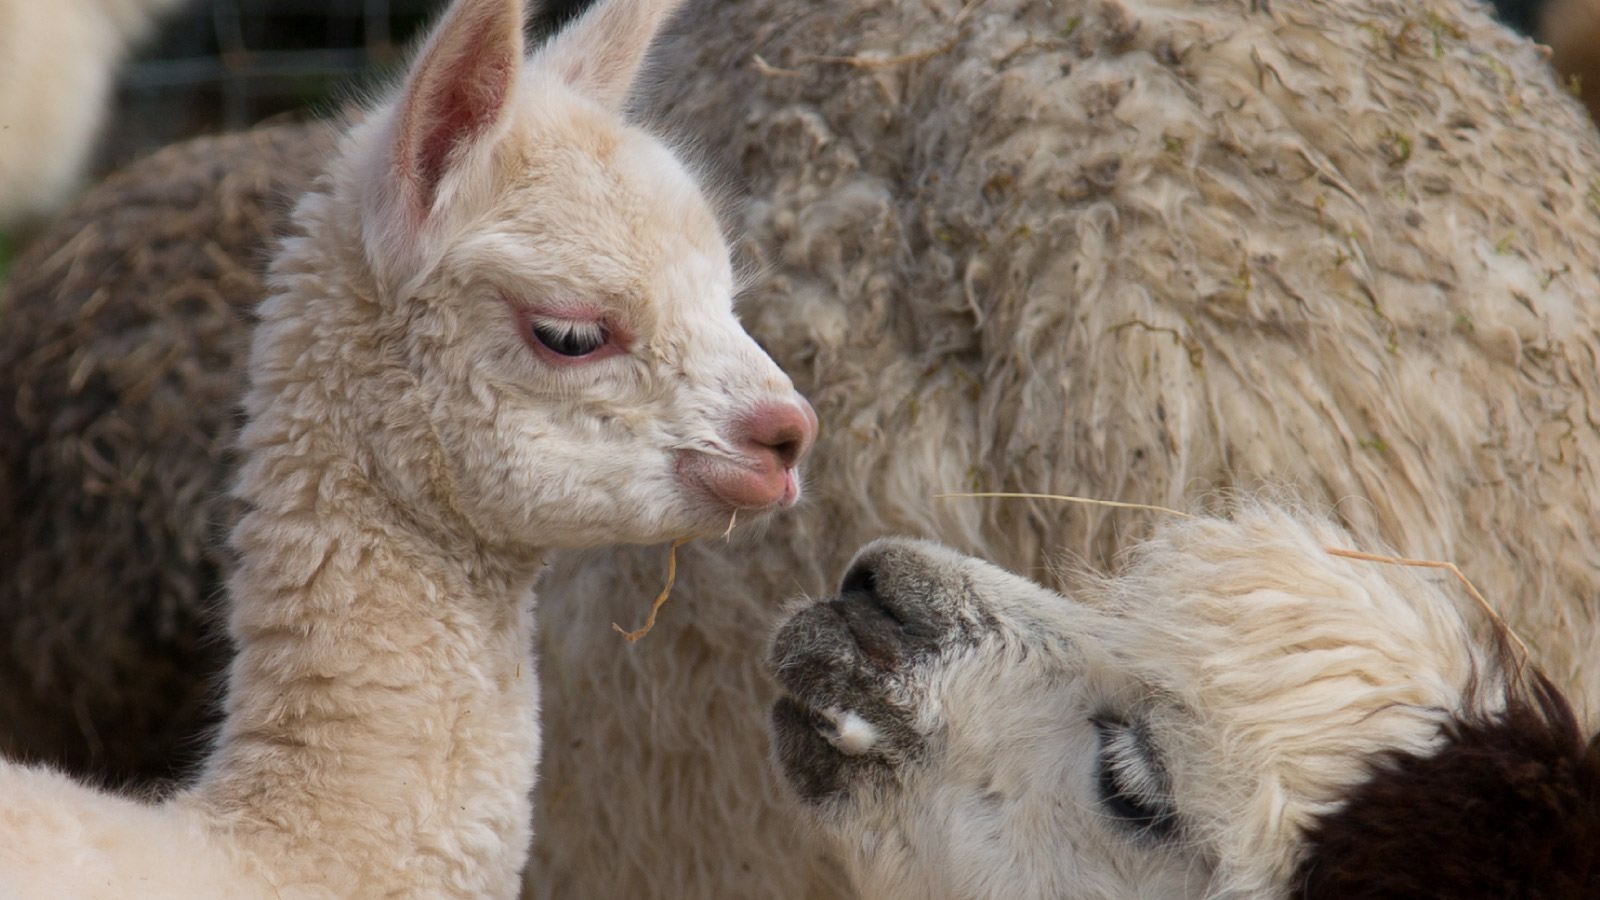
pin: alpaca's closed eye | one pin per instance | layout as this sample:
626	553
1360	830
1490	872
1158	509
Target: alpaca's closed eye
569	339
1132	786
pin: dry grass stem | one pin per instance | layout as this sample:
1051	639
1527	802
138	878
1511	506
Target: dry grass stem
672	575
1362	556
1437	564
772	71
666	591
885	62
1084	500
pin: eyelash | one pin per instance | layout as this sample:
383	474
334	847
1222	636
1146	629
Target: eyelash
566	338
1123	760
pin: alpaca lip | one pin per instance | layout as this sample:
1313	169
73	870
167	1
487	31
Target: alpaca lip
834	724
824	752
813	767
748	484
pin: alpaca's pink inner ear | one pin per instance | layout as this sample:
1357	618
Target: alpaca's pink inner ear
457	95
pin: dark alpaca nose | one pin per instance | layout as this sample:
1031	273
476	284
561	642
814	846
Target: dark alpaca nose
890	626
861	579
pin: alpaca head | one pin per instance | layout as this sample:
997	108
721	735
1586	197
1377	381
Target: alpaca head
1237	714
536	331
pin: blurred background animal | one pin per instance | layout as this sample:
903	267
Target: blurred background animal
59	60
1571	28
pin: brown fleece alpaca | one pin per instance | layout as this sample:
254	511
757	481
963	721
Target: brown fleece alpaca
1509	807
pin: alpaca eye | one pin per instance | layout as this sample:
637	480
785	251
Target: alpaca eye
1132	787
571	339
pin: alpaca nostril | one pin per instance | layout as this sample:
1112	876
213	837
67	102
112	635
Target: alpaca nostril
861	579
897	605
881	636
788	452
860	588
786	429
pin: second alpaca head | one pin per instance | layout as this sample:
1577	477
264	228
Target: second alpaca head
522	268
1237	713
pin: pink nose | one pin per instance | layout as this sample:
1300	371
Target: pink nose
784	430
772	438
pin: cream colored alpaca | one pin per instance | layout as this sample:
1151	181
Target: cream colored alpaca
59	58
505	325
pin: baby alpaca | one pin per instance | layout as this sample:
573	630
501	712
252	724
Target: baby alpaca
505	325
1239	714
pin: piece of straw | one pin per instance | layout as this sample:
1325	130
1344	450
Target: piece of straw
666	591
1472	589
1435	564
1085	500
672	575
881	62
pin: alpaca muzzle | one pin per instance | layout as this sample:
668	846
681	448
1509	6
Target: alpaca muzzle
847	662
772	439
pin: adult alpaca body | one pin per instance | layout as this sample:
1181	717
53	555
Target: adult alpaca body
1571	28
1139	250
1132	250
484	342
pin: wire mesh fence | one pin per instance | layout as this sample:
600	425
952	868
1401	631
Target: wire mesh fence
226	64
220	65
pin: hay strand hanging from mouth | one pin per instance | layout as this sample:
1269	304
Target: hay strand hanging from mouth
661	598
672	576
1472	589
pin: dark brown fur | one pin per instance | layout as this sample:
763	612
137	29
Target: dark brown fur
119	365
1571	28
1508	809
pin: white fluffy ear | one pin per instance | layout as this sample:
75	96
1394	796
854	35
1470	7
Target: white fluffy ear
599	55
456	102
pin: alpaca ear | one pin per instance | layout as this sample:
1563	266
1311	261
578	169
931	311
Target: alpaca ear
457	97
600	54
